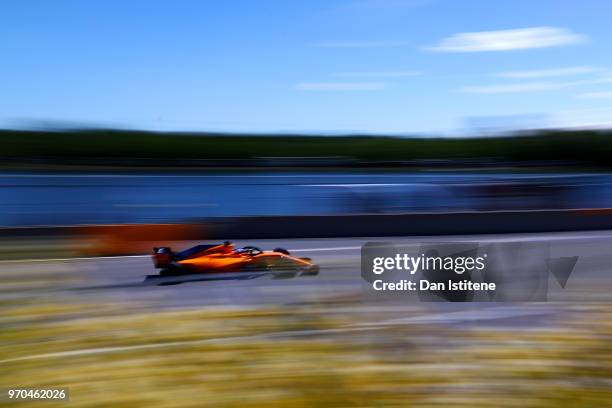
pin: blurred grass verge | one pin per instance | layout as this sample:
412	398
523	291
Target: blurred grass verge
296	357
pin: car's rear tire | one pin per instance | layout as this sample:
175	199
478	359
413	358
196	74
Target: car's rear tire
170	271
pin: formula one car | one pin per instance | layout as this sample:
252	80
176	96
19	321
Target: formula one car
225	257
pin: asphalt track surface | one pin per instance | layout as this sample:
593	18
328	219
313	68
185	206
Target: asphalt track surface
123	279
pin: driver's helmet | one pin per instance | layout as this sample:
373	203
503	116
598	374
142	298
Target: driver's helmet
227	248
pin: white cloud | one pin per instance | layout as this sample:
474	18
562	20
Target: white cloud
341	86
359	44
553	72
603	80
381	74
596	95
516	88
505	40
532	86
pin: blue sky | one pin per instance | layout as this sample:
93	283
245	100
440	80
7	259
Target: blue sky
388	66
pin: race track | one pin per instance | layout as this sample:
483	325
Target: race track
121	279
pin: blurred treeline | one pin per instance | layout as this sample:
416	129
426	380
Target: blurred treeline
127	147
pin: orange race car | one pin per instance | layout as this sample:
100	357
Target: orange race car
225	257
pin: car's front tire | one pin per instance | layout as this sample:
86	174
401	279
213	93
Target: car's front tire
313	270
